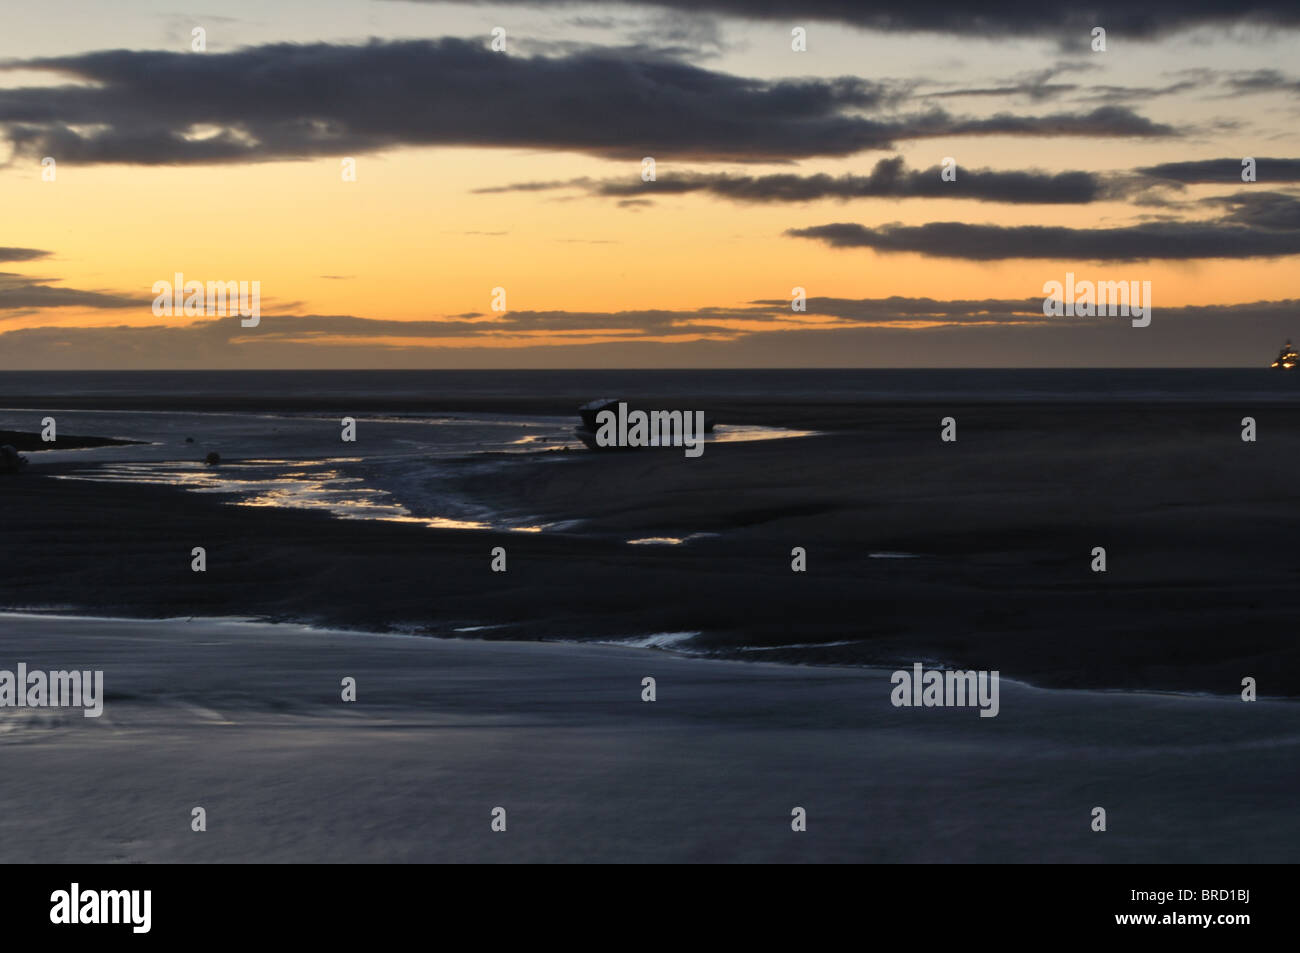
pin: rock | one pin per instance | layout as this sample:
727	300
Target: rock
11	461
213	459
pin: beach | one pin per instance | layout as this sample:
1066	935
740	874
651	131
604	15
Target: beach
246	721
522	688
976	553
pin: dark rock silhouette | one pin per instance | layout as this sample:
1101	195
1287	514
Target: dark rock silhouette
11	461
213	459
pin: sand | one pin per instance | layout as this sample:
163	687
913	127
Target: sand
246	721
1200	530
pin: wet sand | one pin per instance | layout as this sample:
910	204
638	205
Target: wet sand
1200	529
246	721
27	440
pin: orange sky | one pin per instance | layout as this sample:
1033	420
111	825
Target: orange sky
411	240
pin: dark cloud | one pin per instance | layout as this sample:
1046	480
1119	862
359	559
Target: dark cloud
1034	91
1225	171
1117	94
1116	121
288	101
20	292
1262	81
889	179
998	17
303	327
1035	86
1224	238
898	309
986	333
538	186
22	254
1275	210
1039	87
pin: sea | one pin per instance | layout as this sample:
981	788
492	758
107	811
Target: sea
278	433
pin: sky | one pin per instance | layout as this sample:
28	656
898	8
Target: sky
465	185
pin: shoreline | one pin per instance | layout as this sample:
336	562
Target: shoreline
31	442
826	415
875	668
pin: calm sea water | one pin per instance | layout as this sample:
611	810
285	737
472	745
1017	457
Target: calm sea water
570	387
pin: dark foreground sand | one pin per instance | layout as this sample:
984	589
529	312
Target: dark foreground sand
246	721
26	440
1202	533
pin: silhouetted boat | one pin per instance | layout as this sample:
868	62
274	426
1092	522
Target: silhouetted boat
591	410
